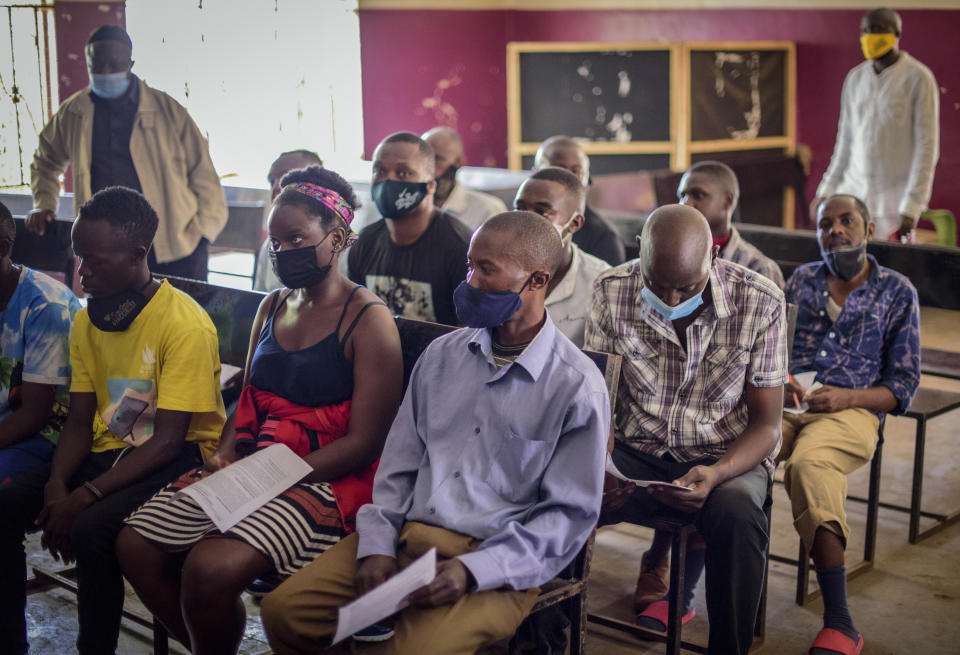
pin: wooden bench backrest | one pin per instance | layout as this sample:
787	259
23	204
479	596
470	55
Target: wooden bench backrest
934	270
415	336
51	252
232	312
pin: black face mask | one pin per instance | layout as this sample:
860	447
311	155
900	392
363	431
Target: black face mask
845	263
115	313
446	182
397	199
297	268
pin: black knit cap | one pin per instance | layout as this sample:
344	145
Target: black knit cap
110	33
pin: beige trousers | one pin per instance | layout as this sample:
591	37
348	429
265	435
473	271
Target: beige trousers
819	451
300	615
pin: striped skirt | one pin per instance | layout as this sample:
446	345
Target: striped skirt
291	530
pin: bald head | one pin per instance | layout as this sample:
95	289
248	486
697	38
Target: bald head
881	21
563	152
289	161
675	252
527	238
447	148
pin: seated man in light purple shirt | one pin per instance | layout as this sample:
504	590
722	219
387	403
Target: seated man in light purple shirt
496	458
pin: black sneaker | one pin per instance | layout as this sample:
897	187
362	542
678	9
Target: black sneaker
260	588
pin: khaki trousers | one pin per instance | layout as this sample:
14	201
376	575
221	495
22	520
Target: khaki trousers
819	451
300	616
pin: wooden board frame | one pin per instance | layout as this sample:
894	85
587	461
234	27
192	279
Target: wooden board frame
788	141
680	147
516	148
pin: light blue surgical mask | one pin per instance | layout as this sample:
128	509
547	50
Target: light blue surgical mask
685	308
109	85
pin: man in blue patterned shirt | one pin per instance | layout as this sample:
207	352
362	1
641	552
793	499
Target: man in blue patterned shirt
858	330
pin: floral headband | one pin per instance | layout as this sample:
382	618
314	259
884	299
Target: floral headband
330	199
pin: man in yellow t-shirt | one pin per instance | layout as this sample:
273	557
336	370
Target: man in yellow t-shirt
145	407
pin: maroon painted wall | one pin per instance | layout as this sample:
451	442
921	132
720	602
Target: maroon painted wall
74	21
423	68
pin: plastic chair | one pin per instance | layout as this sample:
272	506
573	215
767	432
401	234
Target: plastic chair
944	223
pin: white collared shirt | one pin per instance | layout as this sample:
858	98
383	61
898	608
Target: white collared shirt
569	302
471	207
888	141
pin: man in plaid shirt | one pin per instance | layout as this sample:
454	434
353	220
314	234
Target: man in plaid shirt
703	342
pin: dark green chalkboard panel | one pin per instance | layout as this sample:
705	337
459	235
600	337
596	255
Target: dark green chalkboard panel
621	96
737	94
627	163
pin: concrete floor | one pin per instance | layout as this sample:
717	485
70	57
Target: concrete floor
909	603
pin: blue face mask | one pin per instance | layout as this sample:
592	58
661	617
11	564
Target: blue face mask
109	85
485	309
685	308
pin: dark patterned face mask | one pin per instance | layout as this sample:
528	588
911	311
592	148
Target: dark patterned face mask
446	182
396	199
115	313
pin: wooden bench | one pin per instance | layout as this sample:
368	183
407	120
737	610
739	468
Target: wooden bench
941	363
933	270
928	404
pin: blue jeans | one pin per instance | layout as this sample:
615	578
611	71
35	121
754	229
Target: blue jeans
24	456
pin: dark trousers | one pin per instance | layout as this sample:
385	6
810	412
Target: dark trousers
733	524
100	583
193	266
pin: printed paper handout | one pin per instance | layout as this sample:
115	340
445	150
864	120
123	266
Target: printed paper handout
387	599
236	491
612	469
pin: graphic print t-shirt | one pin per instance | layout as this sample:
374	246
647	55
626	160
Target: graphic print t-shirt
35	344
415	281
167	359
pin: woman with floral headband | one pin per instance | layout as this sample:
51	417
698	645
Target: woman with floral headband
323	376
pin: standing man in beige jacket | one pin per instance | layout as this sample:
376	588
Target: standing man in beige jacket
120	132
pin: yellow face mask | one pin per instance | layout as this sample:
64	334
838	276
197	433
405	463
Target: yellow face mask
877	45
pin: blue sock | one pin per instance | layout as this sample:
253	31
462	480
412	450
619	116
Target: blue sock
836	614
691	576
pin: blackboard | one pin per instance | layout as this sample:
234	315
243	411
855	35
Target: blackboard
737	94
628	163
617	95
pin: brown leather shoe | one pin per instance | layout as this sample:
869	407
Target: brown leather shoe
653	582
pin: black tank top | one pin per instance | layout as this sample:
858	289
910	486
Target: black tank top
314	376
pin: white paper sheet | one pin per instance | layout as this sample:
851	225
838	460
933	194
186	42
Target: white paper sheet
233	493
612	469
387	599
807	381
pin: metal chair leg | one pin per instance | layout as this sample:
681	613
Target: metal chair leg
160	638
678	556
916	493
873	505
803	574
577	614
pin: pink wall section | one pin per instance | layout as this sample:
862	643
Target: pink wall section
74	22
423	68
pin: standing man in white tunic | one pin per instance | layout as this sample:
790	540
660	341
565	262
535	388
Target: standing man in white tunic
888	139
